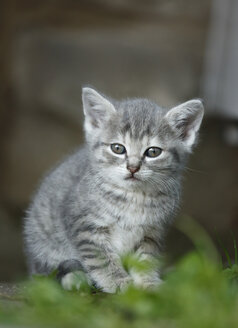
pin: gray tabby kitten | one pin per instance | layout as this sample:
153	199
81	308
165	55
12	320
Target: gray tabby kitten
114	196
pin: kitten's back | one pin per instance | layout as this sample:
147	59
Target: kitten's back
44	230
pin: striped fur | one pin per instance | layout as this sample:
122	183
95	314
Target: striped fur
87	213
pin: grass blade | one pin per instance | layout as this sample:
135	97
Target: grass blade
235	248
228	258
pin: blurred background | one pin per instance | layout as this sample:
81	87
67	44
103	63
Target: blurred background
166	50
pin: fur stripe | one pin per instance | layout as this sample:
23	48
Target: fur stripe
98	267
85	242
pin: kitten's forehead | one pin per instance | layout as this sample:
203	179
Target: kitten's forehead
139	118
135	146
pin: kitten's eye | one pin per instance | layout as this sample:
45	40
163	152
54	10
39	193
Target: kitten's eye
118	149
153	152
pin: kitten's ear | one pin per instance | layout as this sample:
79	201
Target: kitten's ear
185	120
97	109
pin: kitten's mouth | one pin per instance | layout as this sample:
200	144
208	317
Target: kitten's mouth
132	178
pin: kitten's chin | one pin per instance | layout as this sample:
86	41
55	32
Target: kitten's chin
127	182
133	182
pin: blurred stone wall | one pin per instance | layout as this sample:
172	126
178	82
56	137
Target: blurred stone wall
51	49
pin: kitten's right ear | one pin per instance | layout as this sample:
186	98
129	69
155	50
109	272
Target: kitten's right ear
97	109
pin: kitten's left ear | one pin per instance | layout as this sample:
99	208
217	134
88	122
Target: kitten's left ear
97	109
185	120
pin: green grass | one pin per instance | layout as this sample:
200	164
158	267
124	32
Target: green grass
196	293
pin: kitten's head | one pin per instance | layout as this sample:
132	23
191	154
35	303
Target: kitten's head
135	143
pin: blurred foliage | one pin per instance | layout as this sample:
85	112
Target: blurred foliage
196	293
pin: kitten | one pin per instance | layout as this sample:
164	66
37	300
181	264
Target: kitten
114	196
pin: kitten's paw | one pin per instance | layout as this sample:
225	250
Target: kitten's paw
73	280
124	283
147	282
118	285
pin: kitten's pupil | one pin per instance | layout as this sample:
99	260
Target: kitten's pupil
153	152
118	149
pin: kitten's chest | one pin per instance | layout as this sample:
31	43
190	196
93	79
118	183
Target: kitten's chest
136	210
125	241
133	216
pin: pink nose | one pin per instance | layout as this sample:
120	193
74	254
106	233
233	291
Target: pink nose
133	169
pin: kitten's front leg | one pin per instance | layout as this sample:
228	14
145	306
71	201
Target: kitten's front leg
147	251
101	264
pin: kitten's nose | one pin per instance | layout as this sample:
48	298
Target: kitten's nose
133	169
